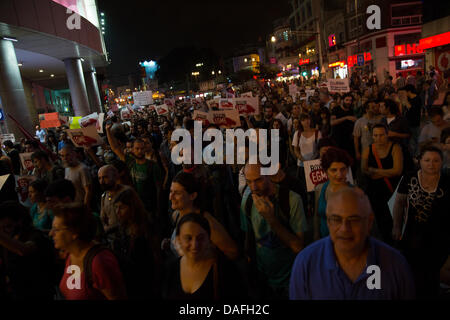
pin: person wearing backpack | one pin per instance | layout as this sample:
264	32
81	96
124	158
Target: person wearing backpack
274	222
91	271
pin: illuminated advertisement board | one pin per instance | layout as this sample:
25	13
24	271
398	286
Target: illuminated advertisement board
85	8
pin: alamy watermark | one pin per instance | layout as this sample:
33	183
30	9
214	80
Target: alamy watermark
374	21
213	153
73	21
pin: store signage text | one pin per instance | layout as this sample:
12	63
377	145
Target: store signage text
337	64
352	60
435	41
303	61
332	40
405	49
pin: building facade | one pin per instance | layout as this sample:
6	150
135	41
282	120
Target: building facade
48	49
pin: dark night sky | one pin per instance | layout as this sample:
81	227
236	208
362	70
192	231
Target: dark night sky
138	30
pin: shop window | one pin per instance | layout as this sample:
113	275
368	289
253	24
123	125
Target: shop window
48	99
380	42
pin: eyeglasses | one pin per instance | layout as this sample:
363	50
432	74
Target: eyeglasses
337	221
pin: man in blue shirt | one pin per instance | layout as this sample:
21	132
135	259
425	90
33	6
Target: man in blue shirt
349	264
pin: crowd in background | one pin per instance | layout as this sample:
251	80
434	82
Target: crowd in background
139	226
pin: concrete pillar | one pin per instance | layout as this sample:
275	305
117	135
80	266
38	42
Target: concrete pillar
77	86
11	91
92	90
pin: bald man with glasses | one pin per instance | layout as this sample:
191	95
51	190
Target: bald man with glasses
349	264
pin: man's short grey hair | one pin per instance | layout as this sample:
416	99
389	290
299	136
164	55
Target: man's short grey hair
352	194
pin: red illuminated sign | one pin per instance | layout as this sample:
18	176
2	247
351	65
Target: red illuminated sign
303	61
337	64
407	49
352	60
331	40
435	41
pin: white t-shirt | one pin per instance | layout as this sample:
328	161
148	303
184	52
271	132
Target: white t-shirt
80	178
308	146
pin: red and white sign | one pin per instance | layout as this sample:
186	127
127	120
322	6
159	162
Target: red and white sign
407	49
225	118
162	110
435	41
27	163
442	61
85	137
247	106
89	120
169	102
23	182
226	104
201	116
315	174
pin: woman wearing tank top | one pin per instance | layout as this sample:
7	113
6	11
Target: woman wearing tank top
382	162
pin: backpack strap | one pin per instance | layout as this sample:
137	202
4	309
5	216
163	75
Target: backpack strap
87	263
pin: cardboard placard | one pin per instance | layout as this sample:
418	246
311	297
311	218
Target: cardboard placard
7	136
226	104
143	98
89	120
247	106
338	85
27	163
169	102
49	120
225	118
293	89
22	184
162	110
85	137
125	114
247	94
213	104
201	116
315	175
100	120
74	122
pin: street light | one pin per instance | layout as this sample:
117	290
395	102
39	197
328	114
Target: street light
212	72
220	72
273	39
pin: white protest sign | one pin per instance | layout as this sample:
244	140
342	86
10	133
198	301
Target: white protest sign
162	110
125	114
309	93
201	116
226	104
27	163
99	125
89	120
169	102
7	136
225	118
293	90
315	175
213	104
22	184
143	98
248	106
247	95
85	137
338	85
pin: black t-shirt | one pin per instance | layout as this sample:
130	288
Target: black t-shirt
15	160
413	114
230	283
343	132
428	224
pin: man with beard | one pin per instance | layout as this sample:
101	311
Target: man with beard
108	178
342	122
145	174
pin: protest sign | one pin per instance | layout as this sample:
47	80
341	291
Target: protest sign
293	90
74	122
100	120
85	137
201	116
309	93
22	185
7	136
213	104
169	102
143	98
115	107
3	180
315	175
125	114
226	104
230	95
225	118
89	120
247	106
338	85
27	163
247	95
162	110
49	120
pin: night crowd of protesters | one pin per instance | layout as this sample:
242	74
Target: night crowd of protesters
137	226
